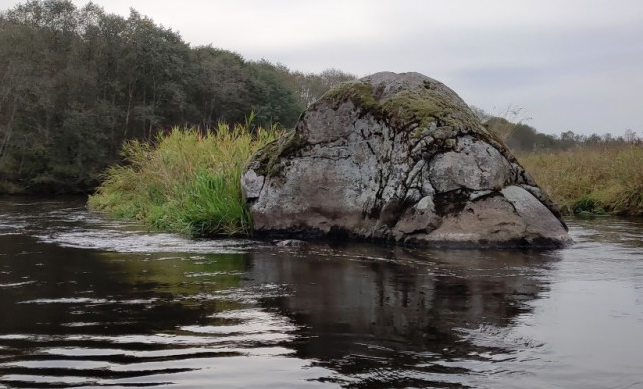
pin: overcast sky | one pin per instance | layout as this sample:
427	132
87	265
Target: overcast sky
569	64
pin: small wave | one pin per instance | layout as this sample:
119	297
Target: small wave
10	226
16	284
250	321
87	300
501	338
245	295
137	242
213	274
81	324
74	300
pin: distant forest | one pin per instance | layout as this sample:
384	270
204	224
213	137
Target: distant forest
522	138
75	83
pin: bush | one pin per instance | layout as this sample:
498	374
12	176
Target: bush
187	182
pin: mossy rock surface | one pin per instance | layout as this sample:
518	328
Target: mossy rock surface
269	158
405	101
397	158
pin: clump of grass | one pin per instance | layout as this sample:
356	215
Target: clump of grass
187	181
591	178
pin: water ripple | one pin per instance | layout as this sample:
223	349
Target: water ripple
138	242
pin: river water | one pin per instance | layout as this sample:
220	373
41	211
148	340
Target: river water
87	302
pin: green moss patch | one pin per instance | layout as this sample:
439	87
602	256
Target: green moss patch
269	157
419	106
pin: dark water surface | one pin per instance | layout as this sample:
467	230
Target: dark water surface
89	302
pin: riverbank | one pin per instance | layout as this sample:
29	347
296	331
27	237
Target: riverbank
594	179
186	181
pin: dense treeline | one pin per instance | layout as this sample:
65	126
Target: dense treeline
76	82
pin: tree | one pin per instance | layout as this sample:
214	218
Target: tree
76	82
272	101
630	136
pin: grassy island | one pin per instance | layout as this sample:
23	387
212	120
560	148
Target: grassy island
187	181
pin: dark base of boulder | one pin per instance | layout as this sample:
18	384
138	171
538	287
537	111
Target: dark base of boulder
341	235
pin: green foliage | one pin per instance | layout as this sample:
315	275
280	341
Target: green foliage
586	205
281	105
187	182
77	82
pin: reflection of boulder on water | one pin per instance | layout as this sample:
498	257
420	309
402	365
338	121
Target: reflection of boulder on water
356	308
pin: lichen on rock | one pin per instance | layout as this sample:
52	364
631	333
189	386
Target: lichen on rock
397	158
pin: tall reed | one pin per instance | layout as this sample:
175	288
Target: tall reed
187	181
603	178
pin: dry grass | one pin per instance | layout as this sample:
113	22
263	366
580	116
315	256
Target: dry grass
591	178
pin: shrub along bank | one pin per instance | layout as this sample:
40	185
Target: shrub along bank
186	181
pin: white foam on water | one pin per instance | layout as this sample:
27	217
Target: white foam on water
142	242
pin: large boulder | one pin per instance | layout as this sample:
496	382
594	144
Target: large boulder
397	158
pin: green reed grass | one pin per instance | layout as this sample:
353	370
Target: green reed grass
591	178
187	181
